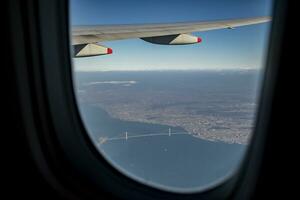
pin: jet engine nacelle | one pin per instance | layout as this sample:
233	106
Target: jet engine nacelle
178	39
87	50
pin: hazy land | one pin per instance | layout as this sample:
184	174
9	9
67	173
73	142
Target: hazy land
215	106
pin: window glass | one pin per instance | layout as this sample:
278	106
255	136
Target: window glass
175	117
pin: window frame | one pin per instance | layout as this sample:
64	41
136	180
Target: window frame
59	143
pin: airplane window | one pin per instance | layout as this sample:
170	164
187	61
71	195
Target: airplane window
168	90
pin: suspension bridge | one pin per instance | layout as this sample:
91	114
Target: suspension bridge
126	136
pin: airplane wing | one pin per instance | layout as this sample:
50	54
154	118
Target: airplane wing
85	37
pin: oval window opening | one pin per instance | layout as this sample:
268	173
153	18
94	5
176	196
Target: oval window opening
168	90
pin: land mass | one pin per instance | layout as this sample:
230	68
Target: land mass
215	107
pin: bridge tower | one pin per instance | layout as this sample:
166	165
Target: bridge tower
126	135
169	131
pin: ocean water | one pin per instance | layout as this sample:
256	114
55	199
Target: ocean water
176	161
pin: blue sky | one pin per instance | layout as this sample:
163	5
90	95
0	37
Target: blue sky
243	47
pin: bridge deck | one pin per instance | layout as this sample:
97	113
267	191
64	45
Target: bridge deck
127	136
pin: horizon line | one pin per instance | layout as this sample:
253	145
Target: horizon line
150	70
